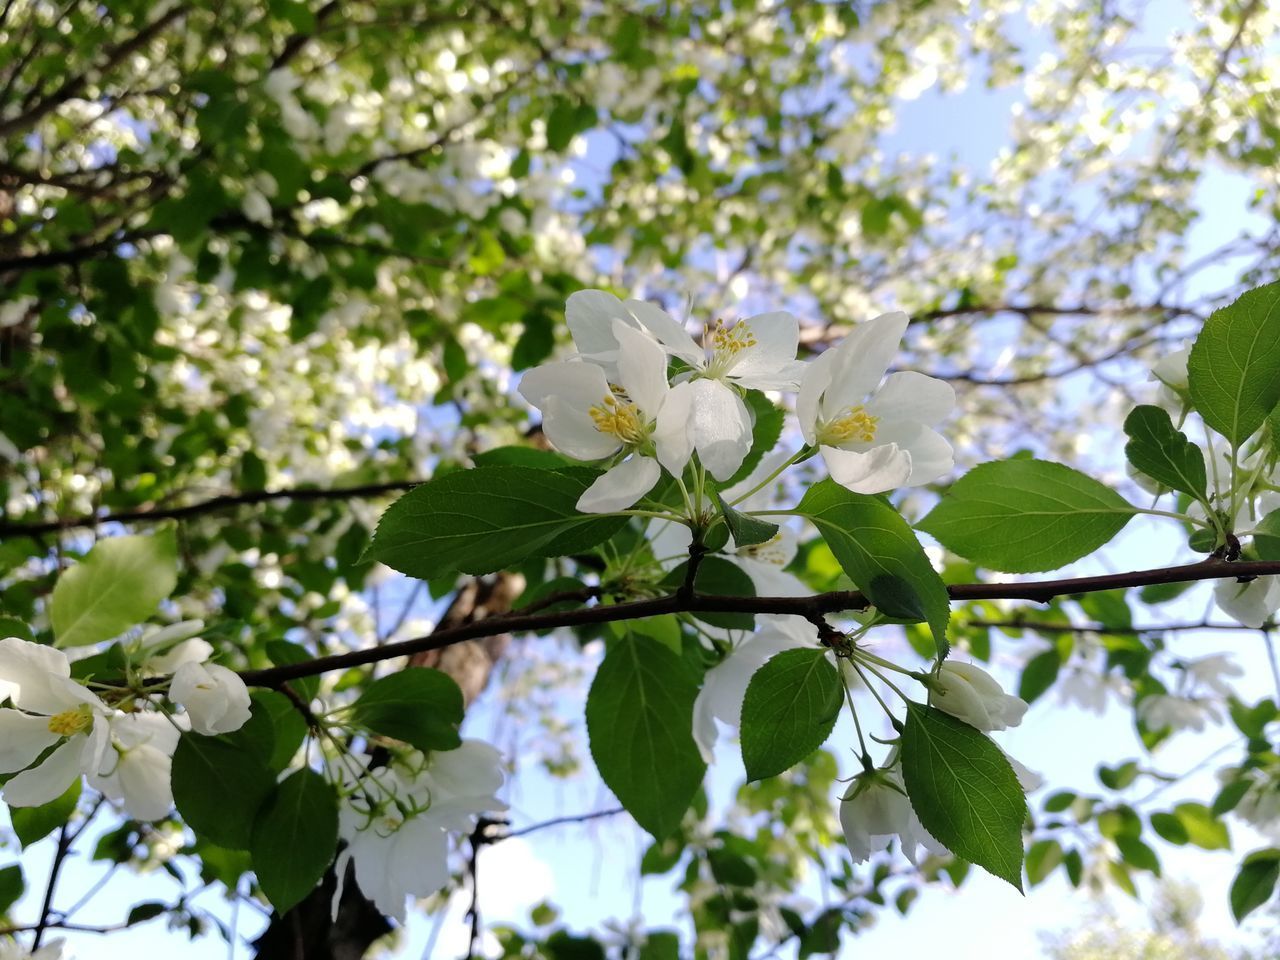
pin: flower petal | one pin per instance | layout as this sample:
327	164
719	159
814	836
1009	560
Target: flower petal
565	392
49	780
908	395
22	739
721	427
673	432
861	360
771	363
814	383
590	315
621	486
669	331
877	470
930	452
642	369
40	675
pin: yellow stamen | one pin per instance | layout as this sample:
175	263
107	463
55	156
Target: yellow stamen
70	722
617	416
853	424
731	340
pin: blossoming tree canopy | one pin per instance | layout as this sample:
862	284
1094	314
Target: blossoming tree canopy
747	412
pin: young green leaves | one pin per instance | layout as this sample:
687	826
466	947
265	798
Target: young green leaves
119	583
1234	369
964	791
1164	453
481	520
880	553
639	721
791	706
1025	516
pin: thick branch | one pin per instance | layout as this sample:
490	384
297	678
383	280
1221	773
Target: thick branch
809	607
223	502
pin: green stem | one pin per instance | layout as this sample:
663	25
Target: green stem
767	480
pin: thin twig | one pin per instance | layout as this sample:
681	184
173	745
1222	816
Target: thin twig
808	607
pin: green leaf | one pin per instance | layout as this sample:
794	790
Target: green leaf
1203	828
284	653
118	584
1234	368
964	791
293	838
35	823
1138	854
791	705
1169	828
419	705
1042	857
12	886
218	786
1254	882
1025	516
1266	536
660	945
481	520
746	531
1163	452
289	728
1039	674
639	721
880	554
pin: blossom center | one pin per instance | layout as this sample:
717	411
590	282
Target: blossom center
73	721
726	345
852	425
617	416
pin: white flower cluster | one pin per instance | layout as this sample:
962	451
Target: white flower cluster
56	729
615	399
396	821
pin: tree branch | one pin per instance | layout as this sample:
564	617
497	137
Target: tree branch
223	502
808	607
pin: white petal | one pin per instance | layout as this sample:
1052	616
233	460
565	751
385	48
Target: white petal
22	739
862	359
143	775
721	428
673	432
770	364
876	471
565	393
642	368
814	383
670	332
590	315
188	651
1249	604
762	498
621	486
49	780
908	395
40	673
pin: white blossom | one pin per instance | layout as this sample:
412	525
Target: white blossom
51	710
397	819
1251	603
138	765
1159	711
875	810
874	436
588	418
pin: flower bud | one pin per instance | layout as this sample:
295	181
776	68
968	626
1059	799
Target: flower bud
215	698
971	694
